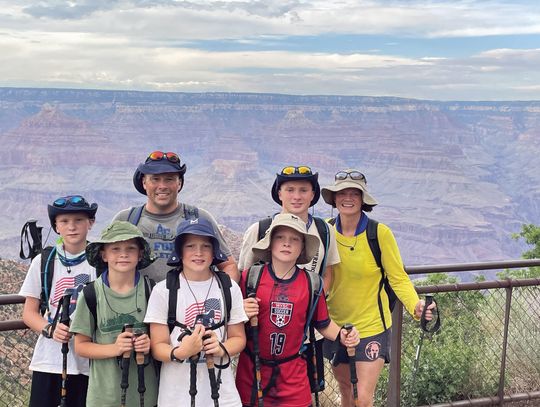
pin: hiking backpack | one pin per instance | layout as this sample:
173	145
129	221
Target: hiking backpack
135	212
373	241
173	283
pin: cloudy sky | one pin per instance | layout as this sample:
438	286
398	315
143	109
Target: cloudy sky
442	50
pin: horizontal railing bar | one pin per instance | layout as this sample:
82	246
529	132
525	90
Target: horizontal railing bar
9	299
12	325
480	285
490	401
489	265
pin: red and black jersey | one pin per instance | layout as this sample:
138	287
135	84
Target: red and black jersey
283	312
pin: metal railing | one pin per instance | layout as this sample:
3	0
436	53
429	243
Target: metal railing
499	297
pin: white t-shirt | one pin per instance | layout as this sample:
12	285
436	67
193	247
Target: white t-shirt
203	299
47	355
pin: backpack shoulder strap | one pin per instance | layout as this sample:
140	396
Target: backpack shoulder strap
172	285
46	275
373	242
135	213
190	212
253	278
225	285
324	233
148	286
264	224
332	221
315	290
89	292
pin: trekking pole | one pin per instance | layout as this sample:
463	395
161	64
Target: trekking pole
124	384
212	375
140	359
351	351
193	360
64	319
314	362
254	321
423	325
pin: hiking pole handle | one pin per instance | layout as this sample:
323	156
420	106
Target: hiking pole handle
423	322
254	320
351	351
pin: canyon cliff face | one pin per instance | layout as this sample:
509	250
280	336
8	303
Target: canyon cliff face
454	179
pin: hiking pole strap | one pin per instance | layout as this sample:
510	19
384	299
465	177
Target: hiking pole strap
124	383
424	323
193	360
139	357
254	321
66	299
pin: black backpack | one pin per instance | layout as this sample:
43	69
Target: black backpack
373	242
173	283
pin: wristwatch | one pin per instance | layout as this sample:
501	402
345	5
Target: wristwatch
174	358
46	331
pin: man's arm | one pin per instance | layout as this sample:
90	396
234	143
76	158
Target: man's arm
229	266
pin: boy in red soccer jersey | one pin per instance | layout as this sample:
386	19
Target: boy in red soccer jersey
281	302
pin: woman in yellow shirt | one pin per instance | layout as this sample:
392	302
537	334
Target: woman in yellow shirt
354	287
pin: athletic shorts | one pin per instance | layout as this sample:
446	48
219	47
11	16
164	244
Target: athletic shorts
368	350
45	390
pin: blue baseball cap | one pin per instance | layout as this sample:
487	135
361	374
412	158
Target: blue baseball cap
158	162
70	204
199	227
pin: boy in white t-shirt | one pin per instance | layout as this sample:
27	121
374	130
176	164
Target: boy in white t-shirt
71	217
205	322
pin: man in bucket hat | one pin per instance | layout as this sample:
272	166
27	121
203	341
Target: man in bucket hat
120	300
161	178
284	306
295	189
356	293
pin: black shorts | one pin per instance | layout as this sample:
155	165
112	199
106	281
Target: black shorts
368	350
45	390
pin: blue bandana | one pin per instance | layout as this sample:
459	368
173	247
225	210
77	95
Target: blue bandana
360	227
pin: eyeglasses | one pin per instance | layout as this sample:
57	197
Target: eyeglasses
354	175
159	155
302	170
73	200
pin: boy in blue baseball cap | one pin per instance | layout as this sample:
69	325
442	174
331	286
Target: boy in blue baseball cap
58	271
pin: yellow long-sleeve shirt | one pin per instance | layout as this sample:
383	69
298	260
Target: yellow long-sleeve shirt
354	291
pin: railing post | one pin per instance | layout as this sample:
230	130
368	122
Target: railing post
500	392
394	379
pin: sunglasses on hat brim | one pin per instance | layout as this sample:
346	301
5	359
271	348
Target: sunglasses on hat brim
160	155
73	200
354	175
291	170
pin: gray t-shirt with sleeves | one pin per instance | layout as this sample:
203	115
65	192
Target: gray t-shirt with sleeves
160	232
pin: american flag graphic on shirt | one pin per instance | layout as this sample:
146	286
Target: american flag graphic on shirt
208	311
68	282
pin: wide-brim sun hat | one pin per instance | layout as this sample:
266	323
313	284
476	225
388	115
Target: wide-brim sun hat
118	231
359	182
154	165
296	175
199	227
262	251
70	204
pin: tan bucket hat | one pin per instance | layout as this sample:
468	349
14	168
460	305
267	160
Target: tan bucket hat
349	178
261	250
